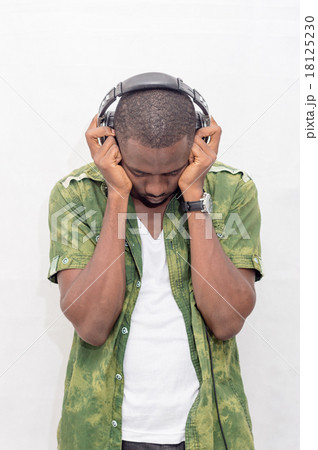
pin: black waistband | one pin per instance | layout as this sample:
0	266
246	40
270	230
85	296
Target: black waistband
129	445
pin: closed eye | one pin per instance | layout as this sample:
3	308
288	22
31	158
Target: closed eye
174	173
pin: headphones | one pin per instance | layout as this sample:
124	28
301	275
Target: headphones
151	80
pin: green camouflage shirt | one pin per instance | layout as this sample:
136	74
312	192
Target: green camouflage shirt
94	382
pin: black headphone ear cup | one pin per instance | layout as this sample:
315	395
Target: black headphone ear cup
109	119
199	122
202	121
102	139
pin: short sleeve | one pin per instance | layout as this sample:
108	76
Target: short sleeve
72	242
241	233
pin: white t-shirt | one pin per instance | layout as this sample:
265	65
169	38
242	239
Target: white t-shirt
160	382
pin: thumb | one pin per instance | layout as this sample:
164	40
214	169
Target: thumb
114	155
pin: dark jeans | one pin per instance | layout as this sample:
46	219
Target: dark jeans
128	445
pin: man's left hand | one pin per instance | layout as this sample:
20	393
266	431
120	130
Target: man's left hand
201	158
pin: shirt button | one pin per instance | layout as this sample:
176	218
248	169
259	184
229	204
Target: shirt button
118	376
219	234
65	261
114	423
256	260
97	237
138	284
126	244
124	330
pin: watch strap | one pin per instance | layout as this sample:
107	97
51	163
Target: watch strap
192	206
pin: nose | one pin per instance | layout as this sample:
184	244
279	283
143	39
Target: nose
156	186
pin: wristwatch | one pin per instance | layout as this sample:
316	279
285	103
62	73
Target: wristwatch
203	205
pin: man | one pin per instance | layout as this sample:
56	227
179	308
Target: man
153	292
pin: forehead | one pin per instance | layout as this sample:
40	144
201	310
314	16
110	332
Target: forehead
154	160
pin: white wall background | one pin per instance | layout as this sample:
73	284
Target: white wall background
58	60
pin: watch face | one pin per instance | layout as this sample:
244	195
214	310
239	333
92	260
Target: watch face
207	202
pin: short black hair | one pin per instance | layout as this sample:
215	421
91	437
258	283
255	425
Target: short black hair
156	118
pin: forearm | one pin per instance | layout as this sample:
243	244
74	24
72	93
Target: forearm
223	296
95	299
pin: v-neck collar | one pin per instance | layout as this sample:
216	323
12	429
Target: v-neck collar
147	231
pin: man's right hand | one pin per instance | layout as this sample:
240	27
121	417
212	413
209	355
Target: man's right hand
107	158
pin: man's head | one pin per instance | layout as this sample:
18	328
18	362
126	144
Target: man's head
155	131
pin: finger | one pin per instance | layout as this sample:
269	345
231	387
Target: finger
92	136
209	131
208	150
199	152
99	132
200	142
103	149
201	145
97	149
94	126
113	154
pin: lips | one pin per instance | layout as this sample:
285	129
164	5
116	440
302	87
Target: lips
155	200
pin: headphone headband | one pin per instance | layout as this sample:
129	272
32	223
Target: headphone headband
151	80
